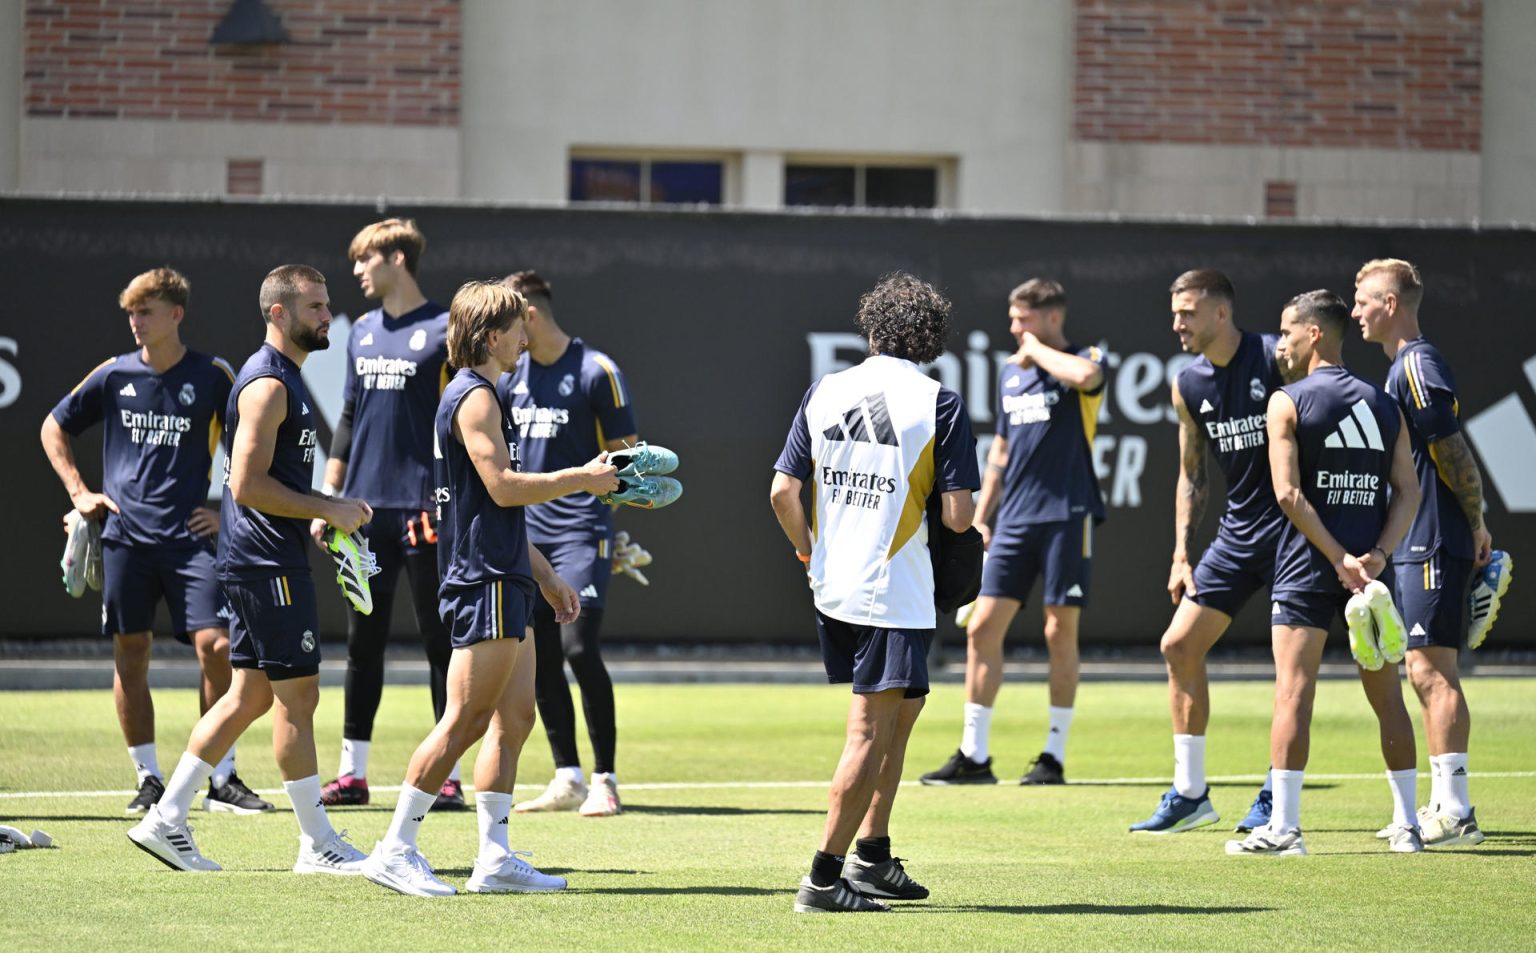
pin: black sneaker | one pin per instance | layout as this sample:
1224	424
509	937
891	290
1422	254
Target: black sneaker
887	879
235	798
450	797
961	770
1045	770
150	790
838	898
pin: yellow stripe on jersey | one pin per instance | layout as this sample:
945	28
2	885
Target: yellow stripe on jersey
620	397
443	378
229	372
1088	406
1415	381
919	486
92	371
287	596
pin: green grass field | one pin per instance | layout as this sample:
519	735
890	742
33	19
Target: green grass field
724	789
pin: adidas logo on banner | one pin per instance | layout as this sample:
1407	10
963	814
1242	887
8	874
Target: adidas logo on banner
1205	407
589	591
1075	592
1506	440
1416	630
1358	432
869	422
367	340
128	390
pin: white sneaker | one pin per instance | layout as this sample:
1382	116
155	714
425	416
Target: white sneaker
404	871
603	799
1266	842
335	856
1404	839
1442	829
170	844
81	546
511	875
562	794
355	563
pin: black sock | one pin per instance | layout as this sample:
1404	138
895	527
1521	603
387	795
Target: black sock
826	869
873	850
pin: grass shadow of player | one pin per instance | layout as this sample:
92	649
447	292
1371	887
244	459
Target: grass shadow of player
684	891
1245	785
705	810
551	871
19	820
1079	909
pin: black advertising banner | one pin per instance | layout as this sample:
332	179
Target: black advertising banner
720	321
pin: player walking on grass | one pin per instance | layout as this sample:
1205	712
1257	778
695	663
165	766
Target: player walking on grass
263	564
397	367
876	441
1336	444
1220	399
1448	543
489	575
569	401
161	408
1038	503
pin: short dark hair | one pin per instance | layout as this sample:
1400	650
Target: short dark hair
1324	309
1208	281
281	286
1039	293
532	286
904	316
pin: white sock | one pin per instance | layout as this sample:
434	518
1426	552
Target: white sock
1458	798
1269	781
145	762
1189	765
186	783
224	769
975	738
1287	813
305	795
601	776
573	774
1056	737
453	775
1437	779
354	758
493	810
1403	783
410	811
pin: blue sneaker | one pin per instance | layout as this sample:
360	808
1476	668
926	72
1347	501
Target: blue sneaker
648	492
1258	814
1488	589
643	459
1177	814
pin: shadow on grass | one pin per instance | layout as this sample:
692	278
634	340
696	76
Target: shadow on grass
1078	909
711	811
684	891
15	820
1163	785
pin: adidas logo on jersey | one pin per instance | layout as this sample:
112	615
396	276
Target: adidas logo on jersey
869	421
128	390
367	340
589	592
521	387
1076	592
1416	630
1358	432
303	408
1274	608
1205	407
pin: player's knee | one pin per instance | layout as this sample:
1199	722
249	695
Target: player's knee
131	650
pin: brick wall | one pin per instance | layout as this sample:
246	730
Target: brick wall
1402	74
347	61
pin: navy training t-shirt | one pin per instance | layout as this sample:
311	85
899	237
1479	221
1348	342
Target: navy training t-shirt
1421	382
158	436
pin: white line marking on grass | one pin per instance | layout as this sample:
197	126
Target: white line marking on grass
755	785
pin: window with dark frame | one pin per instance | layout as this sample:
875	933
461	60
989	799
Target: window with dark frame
861	186
647	181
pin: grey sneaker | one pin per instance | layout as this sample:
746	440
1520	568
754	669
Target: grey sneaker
838	898
171	844
1404	839
1267	842
512	874
1443	830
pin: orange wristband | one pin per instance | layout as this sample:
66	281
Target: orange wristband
803	557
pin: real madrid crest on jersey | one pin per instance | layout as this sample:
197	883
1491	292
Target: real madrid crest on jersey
1256	389
567	385
188	395
418	339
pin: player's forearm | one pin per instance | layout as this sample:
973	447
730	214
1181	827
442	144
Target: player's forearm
991	493
1458	468
260	491
335	474
514	488
1076	372
61	456
1189	504
543	573
784	497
